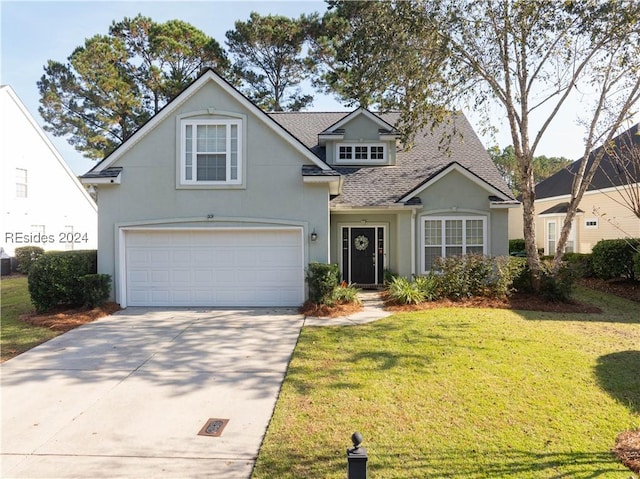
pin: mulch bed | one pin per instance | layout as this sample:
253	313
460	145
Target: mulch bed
519	301
63	320
628	449
625	288
324	311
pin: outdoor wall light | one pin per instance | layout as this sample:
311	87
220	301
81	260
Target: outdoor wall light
314	235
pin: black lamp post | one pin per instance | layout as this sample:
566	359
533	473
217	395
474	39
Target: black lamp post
357	458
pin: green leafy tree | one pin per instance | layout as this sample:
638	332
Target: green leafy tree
507	164
114	83
269	60
527	58
361	62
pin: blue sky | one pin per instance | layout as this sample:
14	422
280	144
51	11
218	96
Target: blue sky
36	31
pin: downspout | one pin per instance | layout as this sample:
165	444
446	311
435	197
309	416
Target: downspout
413	243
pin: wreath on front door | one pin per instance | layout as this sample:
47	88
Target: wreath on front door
361	242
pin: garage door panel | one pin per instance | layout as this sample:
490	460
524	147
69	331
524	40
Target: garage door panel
214	268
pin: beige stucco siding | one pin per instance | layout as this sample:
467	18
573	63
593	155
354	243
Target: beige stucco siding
613	220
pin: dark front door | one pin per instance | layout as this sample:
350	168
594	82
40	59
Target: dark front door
363	255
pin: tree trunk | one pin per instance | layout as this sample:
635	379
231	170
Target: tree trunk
529	231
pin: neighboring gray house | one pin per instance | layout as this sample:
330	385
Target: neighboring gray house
215	203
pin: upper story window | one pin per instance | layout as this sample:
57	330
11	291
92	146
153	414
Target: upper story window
21	183
591	223
211	152
361	153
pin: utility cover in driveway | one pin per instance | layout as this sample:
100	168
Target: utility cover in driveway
214	267
213	427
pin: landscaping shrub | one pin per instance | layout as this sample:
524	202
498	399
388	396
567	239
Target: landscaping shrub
460	277
506	271
516	246
389	275
26	256
403	291
344	294
614	258
557	288
95	289
428	285
554	288
636	265
323	279
465	276
54	278
579	263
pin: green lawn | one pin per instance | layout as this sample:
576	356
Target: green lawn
462	393
16	336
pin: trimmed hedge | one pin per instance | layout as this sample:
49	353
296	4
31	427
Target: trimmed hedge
323	279
614	258
580	263
26	256
54	278
95	289
516	246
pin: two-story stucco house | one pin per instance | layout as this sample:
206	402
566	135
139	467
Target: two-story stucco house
43	203
216	203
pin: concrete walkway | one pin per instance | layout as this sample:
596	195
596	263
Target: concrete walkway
126	396
372	311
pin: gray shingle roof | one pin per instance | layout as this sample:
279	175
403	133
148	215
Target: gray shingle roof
386	185
607	175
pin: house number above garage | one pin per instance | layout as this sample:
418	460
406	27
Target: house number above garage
361	242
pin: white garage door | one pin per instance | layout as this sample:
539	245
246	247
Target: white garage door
216	267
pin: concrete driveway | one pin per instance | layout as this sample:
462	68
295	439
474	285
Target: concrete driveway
127	395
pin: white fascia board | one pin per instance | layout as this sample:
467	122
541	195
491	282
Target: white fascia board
360	111
334	182
557	215
467	174
323	138
103	181
374	209
389	137
184	96
611	189
499	206
40	132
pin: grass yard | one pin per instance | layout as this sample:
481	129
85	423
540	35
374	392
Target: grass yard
17	336
462	393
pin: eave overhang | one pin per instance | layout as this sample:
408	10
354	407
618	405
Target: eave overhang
375	209
108	176
496	203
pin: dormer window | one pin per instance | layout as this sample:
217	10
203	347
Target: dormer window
361	153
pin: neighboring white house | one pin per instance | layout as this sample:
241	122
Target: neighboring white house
43	203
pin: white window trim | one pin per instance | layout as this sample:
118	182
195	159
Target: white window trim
368	161
443	244
22	181
194	123
591	220
558	222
